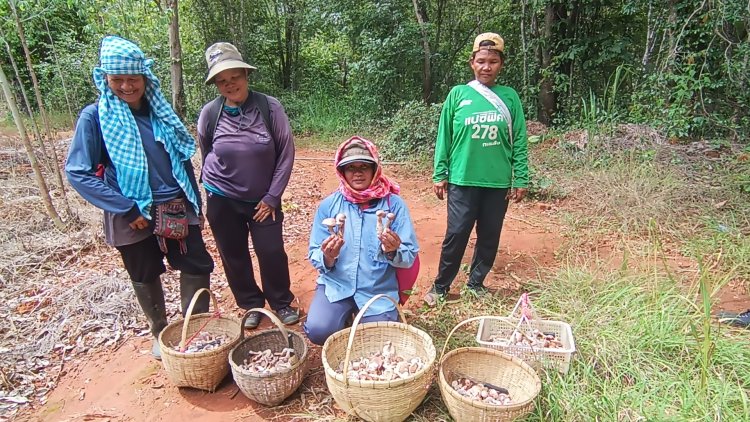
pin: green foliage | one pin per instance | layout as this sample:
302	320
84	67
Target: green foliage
690	78
320	114
677	110
542	186
412	132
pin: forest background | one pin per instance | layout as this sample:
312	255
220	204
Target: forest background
641	168
681	66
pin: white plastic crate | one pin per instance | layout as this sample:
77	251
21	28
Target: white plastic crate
551	358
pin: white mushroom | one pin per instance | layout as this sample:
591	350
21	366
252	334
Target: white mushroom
380	214
388	350
391	216
330	223
341	221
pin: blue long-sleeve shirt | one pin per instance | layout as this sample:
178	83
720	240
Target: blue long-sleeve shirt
362	270
87	151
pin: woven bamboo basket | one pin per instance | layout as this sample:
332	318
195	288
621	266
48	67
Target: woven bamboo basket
269	389
378	401
202	370
491	366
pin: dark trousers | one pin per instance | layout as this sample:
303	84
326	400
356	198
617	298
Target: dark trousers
144	261
468	205
325	318
231	221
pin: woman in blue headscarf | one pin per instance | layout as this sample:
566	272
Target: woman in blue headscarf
130	156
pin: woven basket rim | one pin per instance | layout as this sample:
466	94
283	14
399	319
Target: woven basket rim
389	325
300	361
479	405
165	349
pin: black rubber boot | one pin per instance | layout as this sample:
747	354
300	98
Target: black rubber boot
189	284
151	298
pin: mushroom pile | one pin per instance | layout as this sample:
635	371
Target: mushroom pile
268	362
536	339
383	365
203	342
482	392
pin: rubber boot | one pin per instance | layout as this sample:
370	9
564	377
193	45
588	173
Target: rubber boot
189	284
151	298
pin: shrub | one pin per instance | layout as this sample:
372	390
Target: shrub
412	132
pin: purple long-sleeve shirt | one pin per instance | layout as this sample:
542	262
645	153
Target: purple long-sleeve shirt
244	162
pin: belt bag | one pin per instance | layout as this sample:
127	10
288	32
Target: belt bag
171	223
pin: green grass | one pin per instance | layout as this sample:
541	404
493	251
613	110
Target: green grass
647	350
725	245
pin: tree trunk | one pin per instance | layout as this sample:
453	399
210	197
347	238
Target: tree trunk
523	48
37	133
289	44
175	69
60	73
344	68
650	38
568	33
536	75
547	96
426	72
43	190
276	16
55	163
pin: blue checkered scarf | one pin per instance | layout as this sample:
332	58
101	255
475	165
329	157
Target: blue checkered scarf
120	131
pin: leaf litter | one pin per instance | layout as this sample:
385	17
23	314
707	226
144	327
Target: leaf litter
66	294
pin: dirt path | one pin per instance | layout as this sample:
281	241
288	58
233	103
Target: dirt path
127	384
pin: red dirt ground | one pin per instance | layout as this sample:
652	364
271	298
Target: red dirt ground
127	384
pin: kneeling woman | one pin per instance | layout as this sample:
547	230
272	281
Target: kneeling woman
360	261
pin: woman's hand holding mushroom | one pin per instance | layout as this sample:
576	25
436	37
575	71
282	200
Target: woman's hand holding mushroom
389	241
331	248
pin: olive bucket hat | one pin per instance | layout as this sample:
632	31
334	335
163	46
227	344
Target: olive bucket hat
222	56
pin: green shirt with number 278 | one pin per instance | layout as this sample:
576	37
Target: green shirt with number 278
472	146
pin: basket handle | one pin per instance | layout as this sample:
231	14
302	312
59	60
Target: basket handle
273	318
523	303
189	313
355	324
472	319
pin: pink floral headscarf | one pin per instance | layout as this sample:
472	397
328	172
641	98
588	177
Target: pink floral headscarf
381	186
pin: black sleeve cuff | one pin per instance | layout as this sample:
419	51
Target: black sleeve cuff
133	214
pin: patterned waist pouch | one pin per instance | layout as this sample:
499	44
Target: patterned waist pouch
171	223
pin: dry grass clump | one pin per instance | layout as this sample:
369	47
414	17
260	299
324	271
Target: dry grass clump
629	197
630	180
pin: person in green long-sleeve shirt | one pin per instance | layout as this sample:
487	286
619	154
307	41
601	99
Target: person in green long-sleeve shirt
481	164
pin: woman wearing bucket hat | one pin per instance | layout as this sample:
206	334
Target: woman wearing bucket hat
359	258
248	152
481	163
147	188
